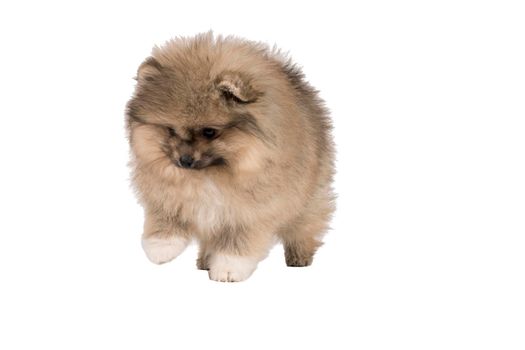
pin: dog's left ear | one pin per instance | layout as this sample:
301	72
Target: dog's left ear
237	88
149	69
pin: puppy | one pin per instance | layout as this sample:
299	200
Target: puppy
230	147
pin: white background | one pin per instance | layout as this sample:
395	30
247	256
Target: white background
427	247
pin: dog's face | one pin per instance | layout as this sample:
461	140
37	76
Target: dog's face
194	121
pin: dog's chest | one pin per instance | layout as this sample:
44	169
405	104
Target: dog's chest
201	203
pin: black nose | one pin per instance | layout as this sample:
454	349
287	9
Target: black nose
186	161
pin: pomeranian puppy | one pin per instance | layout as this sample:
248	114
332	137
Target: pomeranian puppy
230	147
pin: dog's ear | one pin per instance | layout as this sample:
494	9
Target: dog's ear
237	88
149	70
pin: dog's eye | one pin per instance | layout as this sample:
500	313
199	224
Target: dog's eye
172	132
209	133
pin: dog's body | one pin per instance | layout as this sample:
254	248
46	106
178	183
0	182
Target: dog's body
231	147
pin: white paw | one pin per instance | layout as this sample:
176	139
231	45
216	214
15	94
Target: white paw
161	250
231	268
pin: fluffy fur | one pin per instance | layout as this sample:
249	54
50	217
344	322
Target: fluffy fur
230	147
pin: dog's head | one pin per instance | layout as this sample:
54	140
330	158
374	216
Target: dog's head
199	109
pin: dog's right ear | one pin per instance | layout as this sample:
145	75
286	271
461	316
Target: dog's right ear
149	70
237	87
